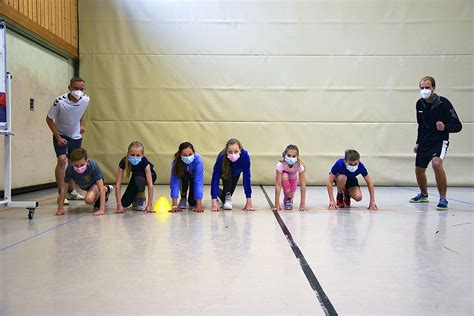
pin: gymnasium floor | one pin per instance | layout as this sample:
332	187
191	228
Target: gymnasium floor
403	259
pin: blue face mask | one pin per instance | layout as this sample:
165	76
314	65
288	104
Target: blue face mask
291	160
352	168
187	159
134	160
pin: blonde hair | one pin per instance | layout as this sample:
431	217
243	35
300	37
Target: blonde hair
292	147
128	165
225	161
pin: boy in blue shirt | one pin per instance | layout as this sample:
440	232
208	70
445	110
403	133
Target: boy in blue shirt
87	175
344	173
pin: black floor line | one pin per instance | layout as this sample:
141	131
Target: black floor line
313	281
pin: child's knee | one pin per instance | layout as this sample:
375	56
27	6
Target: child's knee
356	195
90	199
341	179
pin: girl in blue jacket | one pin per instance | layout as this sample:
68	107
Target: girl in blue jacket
230	164
187	173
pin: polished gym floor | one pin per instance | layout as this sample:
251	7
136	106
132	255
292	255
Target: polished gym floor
405	259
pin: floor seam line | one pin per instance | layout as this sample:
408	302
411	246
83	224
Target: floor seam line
323	299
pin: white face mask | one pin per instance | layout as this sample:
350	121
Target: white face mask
425	93
352	168
77	94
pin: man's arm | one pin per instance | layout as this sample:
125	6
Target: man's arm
453	125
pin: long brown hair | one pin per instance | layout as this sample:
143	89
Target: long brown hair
292	147
178	163
225	161
128	165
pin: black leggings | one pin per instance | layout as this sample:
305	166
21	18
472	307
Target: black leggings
229	185
188	182
137	185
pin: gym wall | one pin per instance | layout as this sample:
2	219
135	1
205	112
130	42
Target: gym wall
325	75
40	74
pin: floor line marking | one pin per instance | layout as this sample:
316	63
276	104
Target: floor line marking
41	233
323	299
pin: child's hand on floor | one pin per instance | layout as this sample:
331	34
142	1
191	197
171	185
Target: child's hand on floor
100	212
373	206
276	208
248	206
175	209
215	207
198	209
302	208
149	208
332	205
120	210
60	211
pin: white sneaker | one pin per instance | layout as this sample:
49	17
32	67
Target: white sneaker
74	195
107	194
66	201
228	202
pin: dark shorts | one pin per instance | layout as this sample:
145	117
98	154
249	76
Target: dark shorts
425	154
68	148
350	183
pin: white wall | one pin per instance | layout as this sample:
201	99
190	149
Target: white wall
42	75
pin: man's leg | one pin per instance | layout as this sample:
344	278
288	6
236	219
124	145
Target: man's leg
71	145
60	170
440	175
421	180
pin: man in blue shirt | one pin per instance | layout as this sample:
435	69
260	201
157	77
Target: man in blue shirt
344	173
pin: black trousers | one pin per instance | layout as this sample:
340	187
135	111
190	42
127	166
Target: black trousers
137	185
188	183
228	185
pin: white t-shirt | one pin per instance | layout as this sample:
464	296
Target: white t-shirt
67	115
293	171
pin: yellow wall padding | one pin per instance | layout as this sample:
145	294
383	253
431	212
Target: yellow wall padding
325	75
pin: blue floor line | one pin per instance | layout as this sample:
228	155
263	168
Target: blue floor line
41	233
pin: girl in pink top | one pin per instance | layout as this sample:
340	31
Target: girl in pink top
287	171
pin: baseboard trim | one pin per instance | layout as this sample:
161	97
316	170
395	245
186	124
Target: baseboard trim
31	188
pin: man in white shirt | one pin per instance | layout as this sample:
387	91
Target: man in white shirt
65	121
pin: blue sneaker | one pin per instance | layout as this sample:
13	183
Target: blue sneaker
420	198
442	205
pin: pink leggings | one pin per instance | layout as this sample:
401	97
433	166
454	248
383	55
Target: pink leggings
289	185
